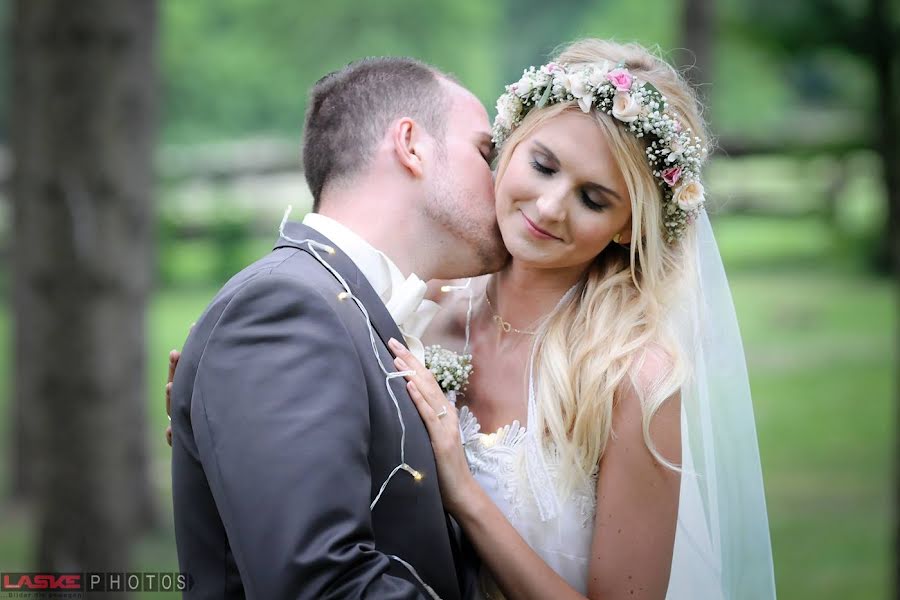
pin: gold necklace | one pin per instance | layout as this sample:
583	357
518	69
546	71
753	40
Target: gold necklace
504	325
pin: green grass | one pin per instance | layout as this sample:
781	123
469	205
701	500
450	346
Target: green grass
821	348
821	355
820	341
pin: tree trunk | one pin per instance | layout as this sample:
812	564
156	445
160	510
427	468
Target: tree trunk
887	64
885	61
21	486
83	127
697	38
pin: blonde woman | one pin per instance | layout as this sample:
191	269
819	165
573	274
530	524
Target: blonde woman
605	445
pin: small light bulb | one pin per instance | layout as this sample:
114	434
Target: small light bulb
343	295
446	288
416	474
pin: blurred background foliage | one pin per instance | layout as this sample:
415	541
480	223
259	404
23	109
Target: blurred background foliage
243	67
799	197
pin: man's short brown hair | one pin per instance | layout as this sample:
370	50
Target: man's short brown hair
350	110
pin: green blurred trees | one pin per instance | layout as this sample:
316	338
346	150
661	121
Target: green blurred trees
234	67
846	54
238	67
774	72
531	30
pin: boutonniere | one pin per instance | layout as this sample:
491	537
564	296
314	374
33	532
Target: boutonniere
450	369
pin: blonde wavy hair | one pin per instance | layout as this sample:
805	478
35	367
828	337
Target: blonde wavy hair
613	329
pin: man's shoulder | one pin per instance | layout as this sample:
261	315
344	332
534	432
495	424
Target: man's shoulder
285	275
286	267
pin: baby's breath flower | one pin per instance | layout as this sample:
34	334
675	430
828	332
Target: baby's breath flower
451	370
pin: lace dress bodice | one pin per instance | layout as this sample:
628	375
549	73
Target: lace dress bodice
510	468
521	481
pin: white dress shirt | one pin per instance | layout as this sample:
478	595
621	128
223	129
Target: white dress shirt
403	296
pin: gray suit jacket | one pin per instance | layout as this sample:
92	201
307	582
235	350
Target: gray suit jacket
283	433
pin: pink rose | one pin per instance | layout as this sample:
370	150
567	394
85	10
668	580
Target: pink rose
553	67
672	175
621	79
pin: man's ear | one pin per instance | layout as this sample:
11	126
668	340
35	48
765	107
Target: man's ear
408	143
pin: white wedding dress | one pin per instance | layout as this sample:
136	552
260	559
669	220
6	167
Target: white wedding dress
564	542
722	548
560	530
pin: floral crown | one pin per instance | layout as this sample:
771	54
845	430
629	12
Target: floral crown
674	153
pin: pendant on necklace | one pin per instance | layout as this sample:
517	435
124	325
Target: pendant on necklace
503	325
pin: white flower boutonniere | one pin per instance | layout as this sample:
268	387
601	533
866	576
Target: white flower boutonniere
451	370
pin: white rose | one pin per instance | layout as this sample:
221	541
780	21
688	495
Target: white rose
564	81
585	103
524	87
676	151
689	195
579	85
625	107
597	76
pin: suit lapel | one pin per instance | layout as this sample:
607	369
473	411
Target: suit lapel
295	236
360	287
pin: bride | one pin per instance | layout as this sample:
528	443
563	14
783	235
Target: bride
605	445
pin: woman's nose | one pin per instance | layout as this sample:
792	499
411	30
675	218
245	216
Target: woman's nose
551	206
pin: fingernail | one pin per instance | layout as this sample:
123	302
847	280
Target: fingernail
393	343
399	362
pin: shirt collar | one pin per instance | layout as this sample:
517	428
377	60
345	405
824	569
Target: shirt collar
401	295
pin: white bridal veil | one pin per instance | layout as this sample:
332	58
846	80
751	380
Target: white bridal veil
722	544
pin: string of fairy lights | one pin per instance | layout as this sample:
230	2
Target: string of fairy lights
314	248
467	286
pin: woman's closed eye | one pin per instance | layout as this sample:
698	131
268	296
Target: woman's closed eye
586	200
583	195
543	170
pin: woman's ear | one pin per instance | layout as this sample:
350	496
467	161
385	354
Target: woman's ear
623	237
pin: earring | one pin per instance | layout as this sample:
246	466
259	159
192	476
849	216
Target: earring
617	238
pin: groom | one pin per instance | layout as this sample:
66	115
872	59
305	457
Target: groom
299	469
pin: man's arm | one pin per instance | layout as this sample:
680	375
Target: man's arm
281	419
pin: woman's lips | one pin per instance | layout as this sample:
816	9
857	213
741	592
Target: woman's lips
537	231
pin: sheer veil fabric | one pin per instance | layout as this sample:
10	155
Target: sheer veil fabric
722	544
